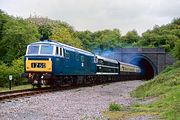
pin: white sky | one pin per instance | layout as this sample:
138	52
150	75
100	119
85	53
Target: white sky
96	15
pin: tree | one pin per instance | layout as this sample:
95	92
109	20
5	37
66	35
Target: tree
176	50
64	35
45	30
4	18
131	37
164	36
176	21
86	38
107	39
56	30
17	34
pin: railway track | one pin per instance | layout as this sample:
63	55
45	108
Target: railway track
23	93
29	92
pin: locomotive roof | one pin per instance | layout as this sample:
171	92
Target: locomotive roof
67	47
107	59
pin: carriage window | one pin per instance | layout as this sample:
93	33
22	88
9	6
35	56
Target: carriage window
33	50
46	49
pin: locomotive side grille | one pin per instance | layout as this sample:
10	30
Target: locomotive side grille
39	65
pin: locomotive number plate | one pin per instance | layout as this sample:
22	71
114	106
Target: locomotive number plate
38	65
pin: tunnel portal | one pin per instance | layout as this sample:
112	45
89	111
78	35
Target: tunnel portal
147	70
151	60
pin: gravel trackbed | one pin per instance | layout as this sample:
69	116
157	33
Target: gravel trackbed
75	104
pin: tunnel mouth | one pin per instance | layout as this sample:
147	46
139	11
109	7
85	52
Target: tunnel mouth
147	71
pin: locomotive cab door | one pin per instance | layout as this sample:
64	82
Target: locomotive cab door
58	60
87	65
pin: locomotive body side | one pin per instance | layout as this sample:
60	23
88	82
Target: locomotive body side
53	63
48	61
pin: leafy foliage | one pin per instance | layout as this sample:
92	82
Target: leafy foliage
4	72
15	70
131	37
115	107
87	39
165	36
56	30
177	50
101	40
66	36
16	35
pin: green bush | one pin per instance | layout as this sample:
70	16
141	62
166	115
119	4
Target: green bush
15	69
176	50
4	72
115	107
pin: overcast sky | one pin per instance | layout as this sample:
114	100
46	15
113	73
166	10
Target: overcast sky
96	15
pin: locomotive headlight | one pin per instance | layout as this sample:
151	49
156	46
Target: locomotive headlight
49	59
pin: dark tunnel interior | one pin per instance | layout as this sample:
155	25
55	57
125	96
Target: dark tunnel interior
147	71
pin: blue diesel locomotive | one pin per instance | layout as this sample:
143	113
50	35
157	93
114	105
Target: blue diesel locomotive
52	63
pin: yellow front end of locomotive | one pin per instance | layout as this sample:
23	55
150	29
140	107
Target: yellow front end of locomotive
38	66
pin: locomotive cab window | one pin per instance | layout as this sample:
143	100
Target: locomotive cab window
46	49
34	49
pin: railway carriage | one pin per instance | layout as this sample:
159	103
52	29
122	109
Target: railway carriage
129	71
53	63
106	66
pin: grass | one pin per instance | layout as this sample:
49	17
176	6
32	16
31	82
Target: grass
165	87
21	87
123	115
120	112
115	107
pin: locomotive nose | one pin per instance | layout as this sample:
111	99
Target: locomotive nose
39	65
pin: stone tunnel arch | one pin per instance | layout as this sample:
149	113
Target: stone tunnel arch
148	69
